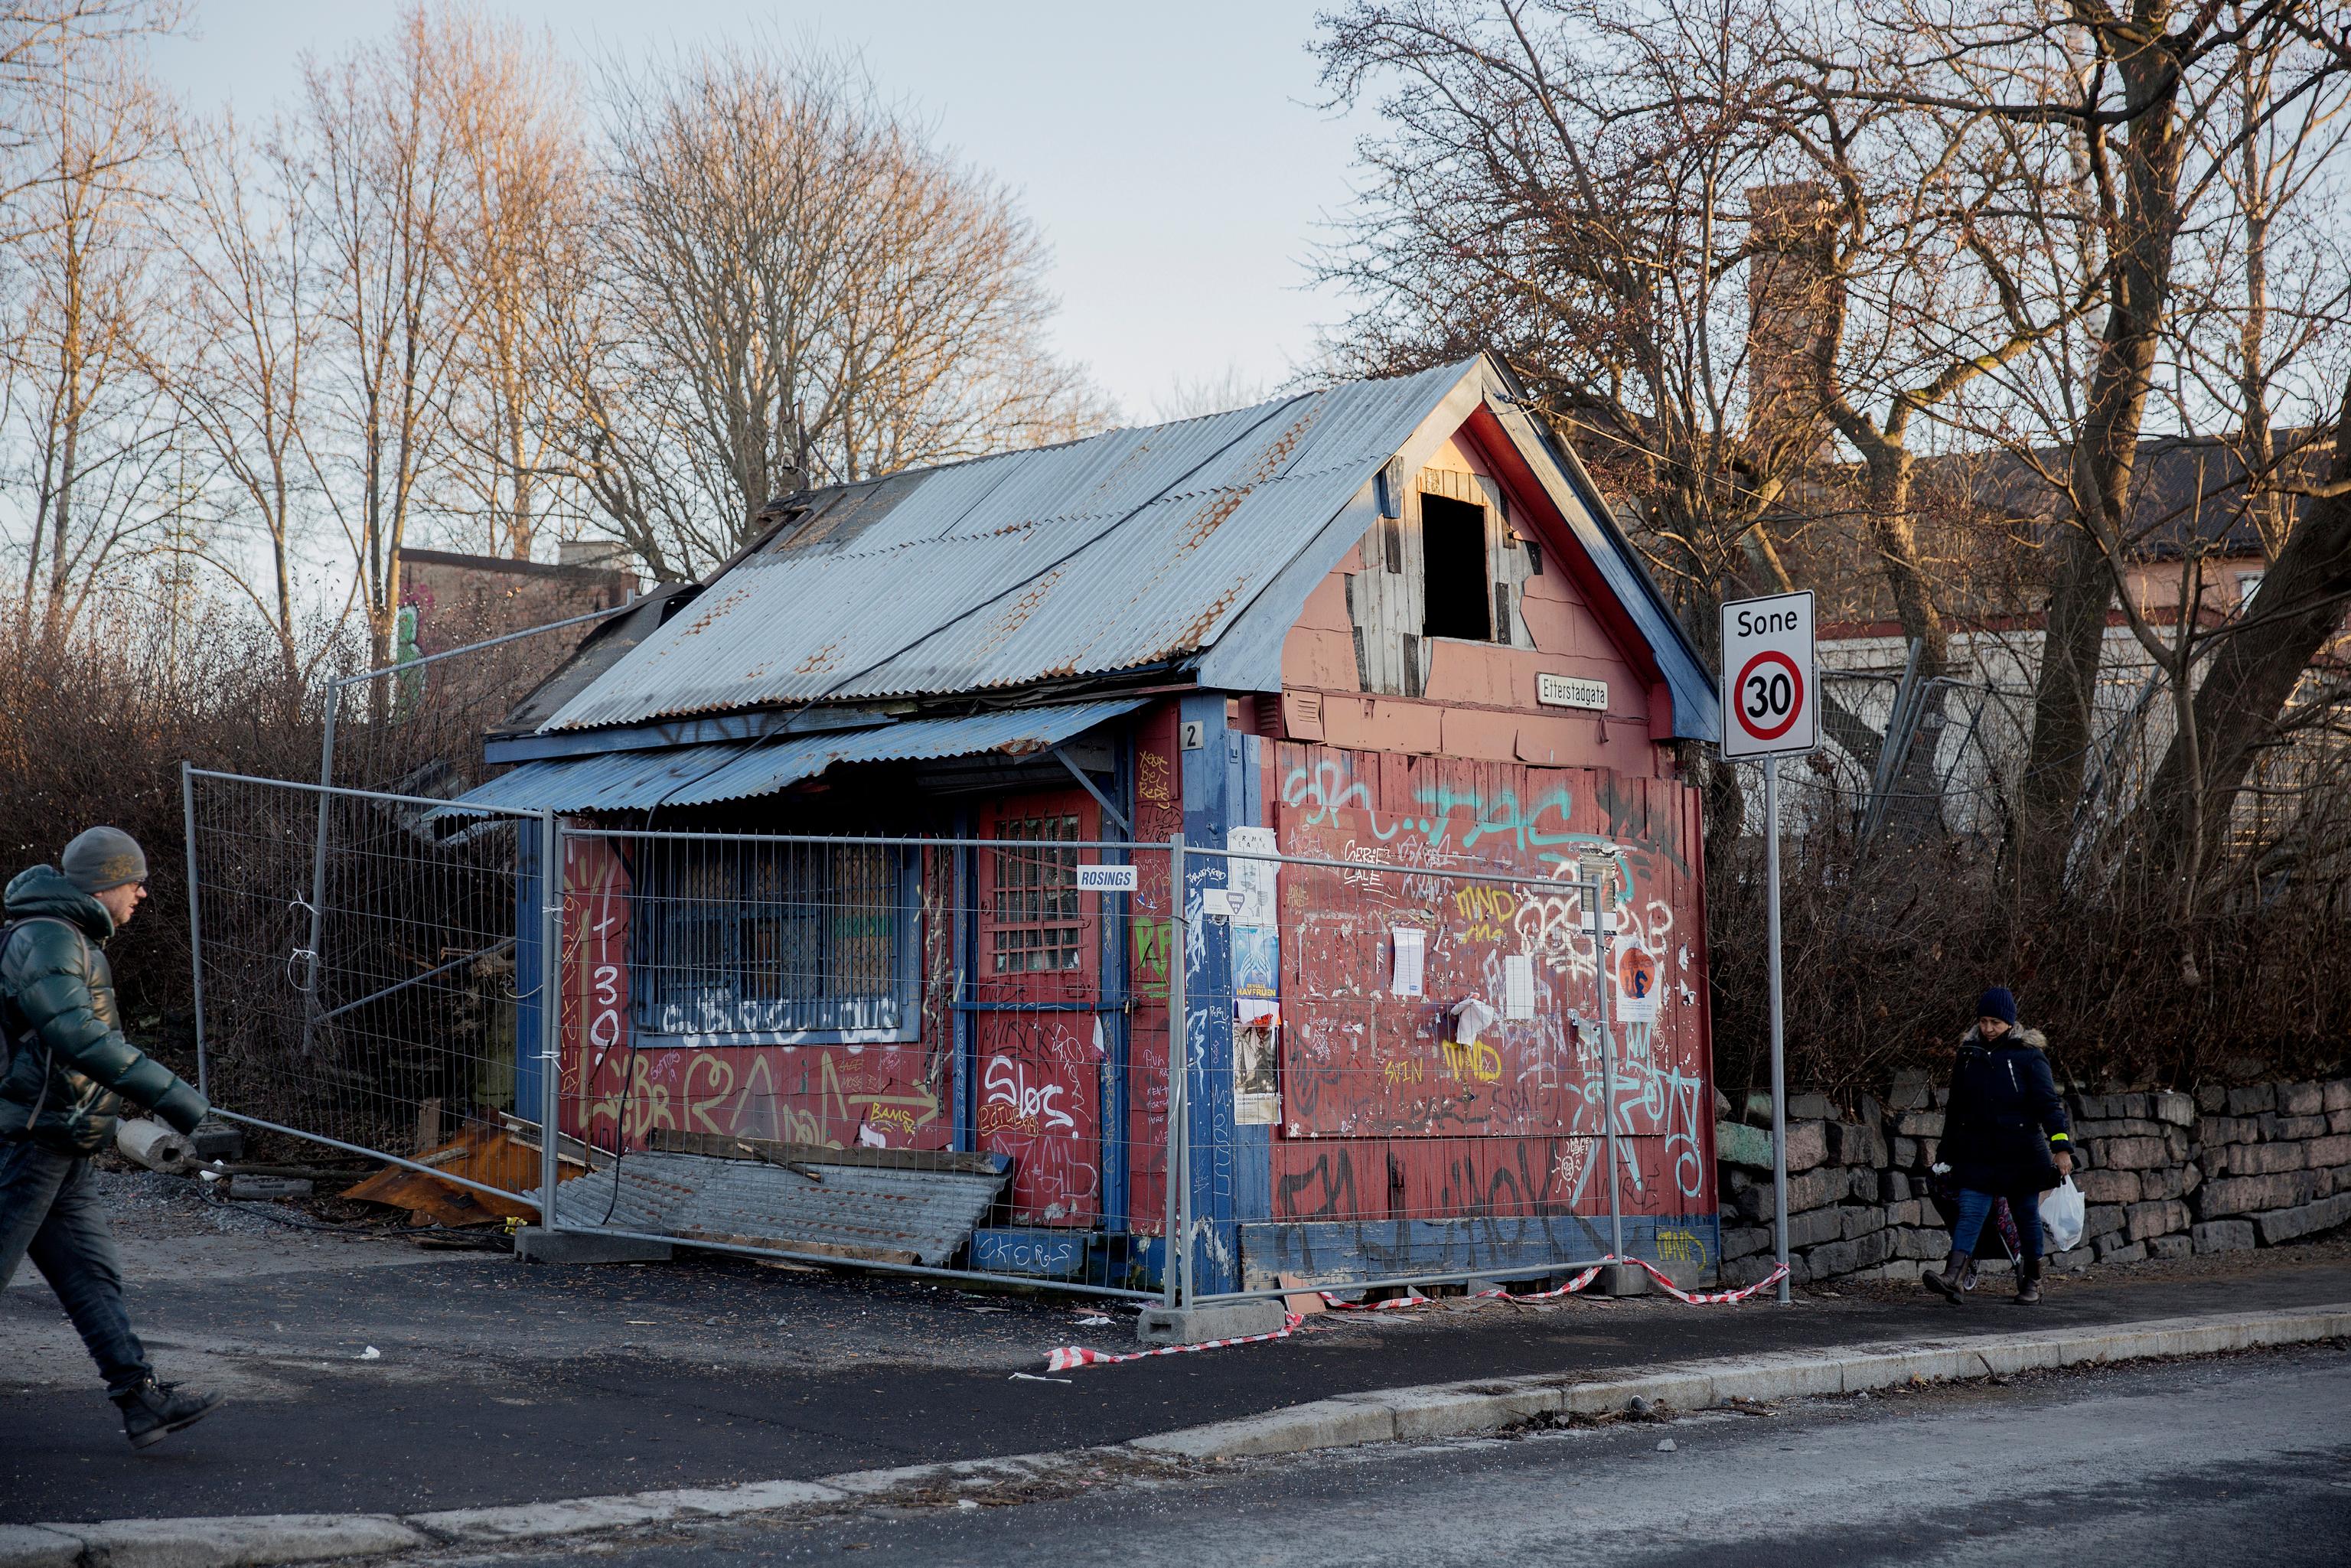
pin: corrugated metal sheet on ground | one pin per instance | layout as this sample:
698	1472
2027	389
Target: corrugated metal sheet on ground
1101	555
731	770
870	1213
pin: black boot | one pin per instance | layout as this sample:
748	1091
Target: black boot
2028	1282
1949	1282
152	1411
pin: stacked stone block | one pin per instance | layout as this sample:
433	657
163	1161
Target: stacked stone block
2165	1174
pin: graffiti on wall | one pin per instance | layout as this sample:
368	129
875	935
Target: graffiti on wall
1386	1113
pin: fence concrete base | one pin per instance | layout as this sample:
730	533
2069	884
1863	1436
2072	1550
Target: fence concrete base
1190	1325
537	1244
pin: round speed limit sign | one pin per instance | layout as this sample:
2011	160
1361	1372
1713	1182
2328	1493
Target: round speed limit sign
1769	699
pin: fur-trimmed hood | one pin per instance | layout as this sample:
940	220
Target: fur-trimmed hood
2018	1035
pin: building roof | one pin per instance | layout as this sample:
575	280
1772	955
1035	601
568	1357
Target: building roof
2188	492
1136	549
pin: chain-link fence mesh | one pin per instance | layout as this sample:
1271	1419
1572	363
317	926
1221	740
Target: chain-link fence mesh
357	963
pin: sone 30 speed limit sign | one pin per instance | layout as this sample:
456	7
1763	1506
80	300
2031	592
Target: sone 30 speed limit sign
1770	691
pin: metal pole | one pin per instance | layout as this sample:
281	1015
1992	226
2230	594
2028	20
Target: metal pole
196	927
1779	1042
550	968
1177	1285
1608	1072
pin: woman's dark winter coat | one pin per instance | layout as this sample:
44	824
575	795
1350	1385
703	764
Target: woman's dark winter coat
2005	1117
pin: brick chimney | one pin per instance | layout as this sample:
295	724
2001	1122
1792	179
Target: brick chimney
1790	286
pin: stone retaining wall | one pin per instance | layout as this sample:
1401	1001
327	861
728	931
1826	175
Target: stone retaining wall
2166	1174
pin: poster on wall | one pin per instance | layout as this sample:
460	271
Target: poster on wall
1257	1088
1637	982
1253	883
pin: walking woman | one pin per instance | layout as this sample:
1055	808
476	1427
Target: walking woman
2005	1134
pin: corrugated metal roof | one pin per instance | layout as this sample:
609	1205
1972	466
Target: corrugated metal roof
1119	551
731	770
874	1212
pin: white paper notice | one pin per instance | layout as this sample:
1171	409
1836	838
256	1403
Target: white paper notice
1253	882
1518	986
1411	949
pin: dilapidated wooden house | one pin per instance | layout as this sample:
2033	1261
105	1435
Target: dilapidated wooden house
1387	625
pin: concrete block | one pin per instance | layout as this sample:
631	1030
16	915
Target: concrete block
2072	1262
2215	1130
2338	1121
2220	1197
233	1542
2328	1151
1808	1146
1922	1246
2336	1096
1737	1143
1833	1259
2178	1109
1192	1325
2168	1247
1810	1108
2311	1126
1870	1250
1814	1228
1893	1187
2212	1099
2130	1154
2284	1225
2301	1099
2222	1236
1320	1424
1856	1144
2102	1219
2170	1181
1920	1125
2253	1098
1905	1270
1745	1241
2257	1159
1860	1221
30	1546
537	1244
1912	1089
2113	1249
2142	1221
2108	1186
2117	1127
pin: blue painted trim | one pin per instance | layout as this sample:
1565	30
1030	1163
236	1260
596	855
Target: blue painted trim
1116	1018
530	944
1210	796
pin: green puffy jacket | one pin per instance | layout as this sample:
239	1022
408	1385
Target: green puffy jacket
69	1069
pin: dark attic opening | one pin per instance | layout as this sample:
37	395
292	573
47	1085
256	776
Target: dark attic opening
1453	556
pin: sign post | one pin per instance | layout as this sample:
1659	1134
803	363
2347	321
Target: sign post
1770	704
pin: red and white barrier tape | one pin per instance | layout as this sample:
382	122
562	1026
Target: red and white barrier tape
1069	1356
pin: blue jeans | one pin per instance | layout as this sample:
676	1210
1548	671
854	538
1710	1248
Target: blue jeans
50	1212
1976	1206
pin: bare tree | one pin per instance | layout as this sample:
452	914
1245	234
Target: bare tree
387	181
92	425
799	287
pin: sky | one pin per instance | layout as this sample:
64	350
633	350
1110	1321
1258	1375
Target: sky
1175	159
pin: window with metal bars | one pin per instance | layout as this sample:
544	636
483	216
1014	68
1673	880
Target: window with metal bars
776	943
1034	925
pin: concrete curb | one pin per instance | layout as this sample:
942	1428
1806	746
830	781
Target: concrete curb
1452	1409
1438	1410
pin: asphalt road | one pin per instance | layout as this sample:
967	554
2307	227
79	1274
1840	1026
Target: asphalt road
2241	1459
499	1383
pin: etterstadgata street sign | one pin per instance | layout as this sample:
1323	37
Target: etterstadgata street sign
1772	707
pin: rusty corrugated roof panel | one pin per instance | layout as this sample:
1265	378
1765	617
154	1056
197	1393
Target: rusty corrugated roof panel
1123	550
880	1213
734	769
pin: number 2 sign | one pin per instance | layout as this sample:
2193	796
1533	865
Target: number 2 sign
1770	689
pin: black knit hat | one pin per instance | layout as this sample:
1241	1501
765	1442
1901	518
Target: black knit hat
2000	1003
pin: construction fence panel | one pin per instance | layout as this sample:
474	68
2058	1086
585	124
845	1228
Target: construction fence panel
919	1053
364	978
1416	1063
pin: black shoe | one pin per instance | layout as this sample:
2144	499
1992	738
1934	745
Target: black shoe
154	1411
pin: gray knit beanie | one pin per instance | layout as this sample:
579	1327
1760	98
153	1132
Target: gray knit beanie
101	858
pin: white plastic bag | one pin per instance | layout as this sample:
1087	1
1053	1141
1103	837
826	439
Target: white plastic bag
2062	1215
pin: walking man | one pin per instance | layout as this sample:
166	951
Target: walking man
65	1071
